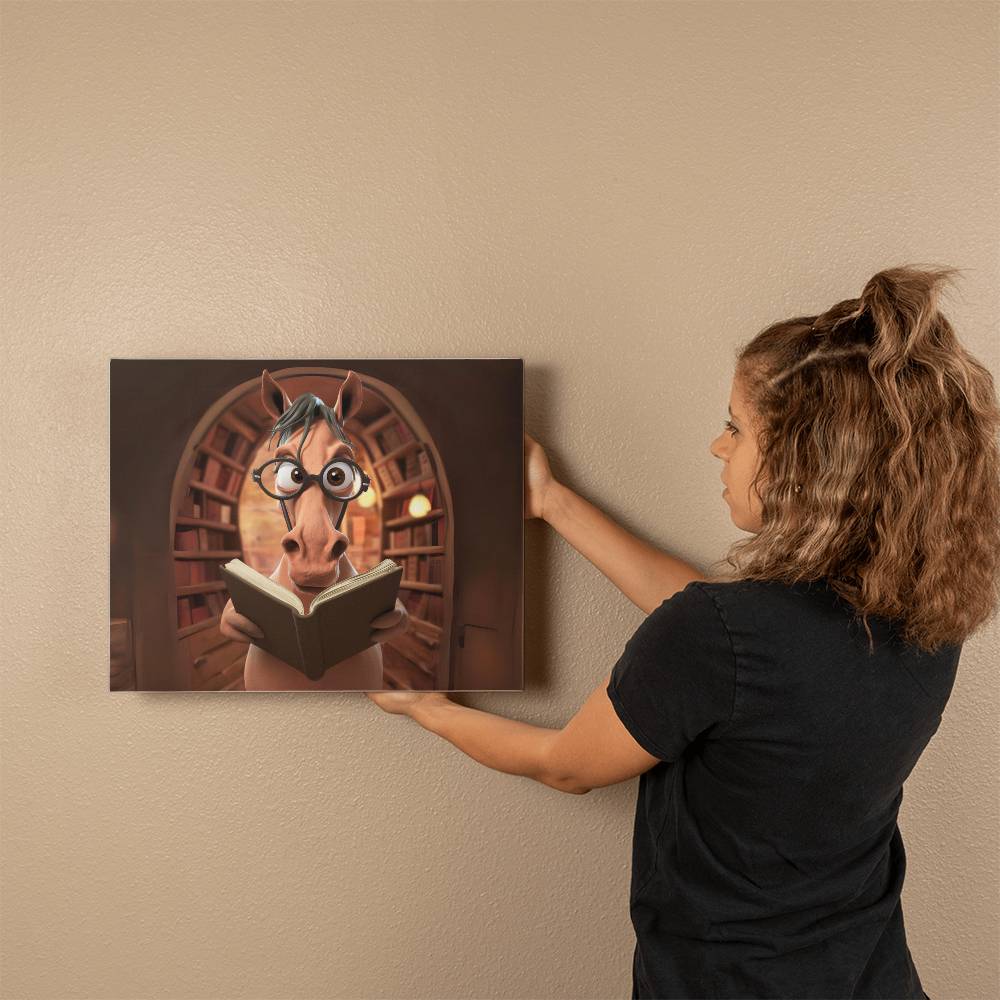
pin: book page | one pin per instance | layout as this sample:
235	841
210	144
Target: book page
361	580
270	587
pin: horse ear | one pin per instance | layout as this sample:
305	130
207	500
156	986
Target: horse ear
273	397
349	398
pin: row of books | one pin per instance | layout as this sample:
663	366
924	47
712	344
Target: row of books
412	465
208	508
198	539
422	569
198	607
363	529
212	472
423	606
231	443
195	571
428	533
392	436
399	506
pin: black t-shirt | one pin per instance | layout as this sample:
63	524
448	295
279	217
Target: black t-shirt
766	858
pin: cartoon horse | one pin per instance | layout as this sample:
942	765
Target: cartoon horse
314	548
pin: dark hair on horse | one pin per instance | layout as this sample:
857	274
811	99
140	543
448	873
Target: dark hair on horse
301	414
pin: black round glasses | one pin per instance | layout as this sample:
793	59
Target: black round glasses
285	478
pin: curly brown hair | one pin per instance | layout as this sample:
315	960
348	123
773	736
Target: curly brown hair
889	428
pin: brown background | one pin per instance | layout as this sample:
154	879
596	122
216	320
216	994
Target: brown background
619	193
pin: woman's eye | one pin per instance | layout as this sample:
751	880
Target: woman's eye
339	478
288	478
731	427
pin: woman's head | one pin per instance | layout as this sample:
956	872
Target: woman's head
863	451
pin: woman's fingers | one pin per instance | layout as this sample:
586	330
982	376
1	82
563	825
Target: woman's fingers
537	477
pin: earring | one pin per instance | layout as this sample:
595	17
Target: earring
798	489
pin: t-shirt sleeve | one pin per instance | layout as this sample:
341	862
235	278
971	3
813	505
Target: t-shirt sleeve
677	674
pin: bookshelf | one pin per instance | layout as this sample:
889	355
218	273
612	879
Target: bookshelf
206	533
403	467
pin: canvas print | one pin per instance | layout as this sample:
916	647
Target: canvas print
316	525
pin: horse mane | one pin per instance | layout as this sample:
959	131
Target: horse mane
301	413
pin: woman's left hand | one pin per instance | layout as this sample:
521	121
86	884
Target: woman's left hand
404	702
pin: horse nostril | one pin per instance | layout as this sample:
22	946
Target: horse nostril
339	548
290	545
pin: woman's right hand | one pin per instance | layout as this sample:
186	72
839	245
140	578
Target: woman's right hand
237	627
539	482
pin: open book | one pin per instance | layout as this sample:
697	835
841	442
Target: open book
338	623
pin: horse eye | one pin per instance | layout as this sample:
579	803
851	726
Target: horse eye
288	478
340	478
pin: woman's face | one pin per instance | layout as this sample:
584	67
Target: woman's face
736	446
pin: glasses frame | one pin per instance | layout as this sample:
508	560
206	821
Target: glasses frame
308	479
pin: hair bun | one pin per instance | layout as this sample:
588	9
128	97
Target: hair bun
902	304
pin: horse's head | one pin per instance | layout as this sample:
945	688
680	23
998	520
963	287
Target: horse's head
311	433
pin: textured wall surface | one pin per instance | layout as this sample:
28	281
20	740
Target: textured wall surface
619	193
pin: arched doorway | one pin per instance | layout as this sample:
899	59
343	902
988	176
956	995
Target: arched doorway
216	517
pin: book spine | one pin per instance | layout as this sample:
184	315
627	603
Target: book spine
310	647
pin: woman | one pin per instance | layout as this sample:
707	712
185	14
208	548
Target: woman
774	713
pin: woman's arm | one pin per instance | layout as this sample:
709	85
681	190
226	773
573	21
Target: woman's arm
592	750
644	574
503	744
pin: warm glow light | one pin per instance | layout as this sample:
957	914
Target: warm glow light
367	499
419	505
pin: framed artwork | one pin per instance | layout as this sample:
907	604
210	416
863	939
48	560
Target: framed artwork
265	513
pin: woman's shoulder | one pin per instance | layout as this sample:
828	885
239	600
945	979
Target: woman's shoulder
771	603
749	587
808	608
762	590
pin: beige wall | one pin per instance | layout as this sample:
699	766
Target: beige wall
619	193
